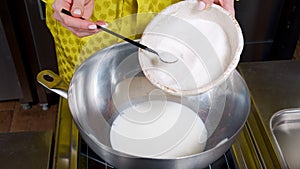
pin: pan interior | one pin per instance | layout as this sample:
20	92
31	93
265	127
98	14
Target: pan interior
101	91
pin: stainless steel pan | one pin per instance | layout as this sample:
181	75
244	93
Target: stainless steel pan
96	98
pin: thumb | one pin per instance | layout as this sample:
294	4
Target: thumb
228	5
77	8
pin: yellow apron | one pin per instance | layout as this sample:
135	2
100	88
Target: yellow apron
127	17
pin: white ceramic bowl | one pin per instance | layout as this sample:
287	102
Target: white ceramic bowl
207	44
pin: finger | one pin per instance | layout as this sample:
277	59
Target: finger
58	5
228	5
76	23
81	32
88	9
77	8
203	4
102	23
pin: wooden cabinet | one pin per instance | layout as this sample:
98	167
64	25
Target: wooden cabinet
270	28
10	87
29	47
259	21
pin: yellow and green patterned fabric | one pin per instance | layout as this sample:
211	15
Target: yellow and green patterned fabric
127	17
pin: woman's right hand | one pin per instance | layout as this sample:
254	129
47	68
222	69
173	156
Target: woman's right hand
226	4
79	9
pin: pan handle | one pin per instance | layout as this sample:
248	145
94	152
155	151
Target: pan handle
53	82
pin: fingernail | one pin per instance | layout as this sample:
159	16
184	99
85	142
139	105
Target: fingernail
201	5
77	11
92	27
105	25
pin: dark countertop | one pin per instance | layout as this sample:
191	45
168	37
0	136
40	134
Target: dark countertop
26	150
273	86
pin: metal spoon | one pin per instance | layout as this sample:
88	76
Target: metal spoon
64	11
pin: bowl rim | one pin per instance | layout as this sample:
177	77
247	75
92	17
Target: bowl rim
230	67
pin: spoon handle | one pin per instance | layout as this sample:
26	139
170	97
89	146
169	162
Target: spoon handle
116	34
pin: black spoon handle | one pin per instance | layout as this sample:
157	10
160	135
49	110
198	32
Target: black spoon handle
116	34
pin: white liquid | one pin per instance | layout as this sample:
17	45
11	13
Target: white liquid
205	44
167	57
158	129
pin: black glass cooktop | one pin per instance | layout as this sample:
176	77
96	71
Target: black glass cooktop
88	159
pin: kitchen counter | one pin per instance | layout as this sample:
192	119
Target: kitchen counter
273	85
26	150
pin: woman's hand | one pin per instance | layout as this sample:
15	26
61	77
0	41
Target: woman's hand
79	9
226	4
84	9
